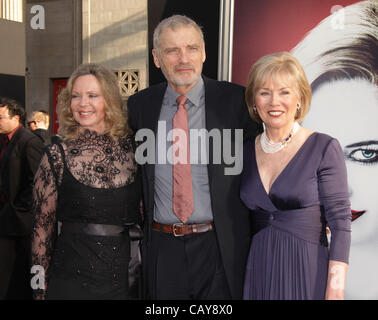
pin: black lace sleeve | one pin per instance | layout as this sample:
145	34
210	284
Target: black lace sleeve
138	216
45	197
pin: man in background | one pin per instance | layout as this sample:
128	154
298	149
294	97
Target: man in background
39	122
20	153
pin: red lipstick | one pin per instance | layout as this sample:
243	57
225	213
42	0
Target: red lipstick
356	214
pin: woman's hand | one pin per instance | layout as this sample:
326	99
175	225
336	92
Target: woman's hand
336	280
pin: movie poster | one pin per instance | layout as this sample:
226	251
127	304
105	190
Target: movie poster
336	43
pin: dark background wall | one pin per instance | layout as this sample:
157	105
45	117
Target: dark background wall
12	86
205	13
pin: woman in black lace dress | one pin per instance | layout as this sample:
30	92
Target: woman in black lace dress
88	182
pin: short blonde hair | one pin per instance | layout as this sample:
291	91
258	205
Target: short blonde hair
274	66
115	117
40	116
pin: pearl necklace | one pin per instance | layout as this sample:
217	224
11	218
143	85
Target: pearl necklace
269	146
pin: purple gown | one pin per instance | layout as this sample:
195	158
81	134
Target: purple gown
289	253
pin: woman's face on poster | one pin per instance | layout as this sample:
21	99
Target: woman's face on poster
348	110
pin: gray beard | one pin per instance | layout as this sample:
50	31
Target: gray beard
178	82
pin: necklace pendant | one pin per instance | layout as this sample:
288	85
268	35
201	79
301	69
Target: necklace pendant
273	147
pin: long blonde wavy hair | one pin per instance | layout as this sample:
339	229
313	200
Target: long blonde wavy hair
115	117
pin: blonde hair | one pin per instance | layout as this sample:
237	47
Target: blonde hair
40	116
115	117
273	67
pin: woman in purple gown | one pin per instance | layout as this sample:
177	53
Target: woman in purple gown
294	182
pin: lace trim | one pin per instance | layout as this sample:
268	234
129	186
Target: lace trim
99	161
93	159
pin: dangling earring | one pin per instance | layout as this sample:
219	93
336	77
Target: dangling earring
254	109
298	106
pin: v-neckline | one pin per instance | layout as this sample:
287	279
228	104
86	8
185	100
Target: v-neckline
283	170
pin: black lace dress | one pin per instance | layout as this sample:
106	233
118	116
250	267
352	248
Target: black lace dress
89	180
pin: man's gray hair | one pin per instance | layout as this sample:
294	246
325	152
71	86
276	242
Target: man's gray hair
174	22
